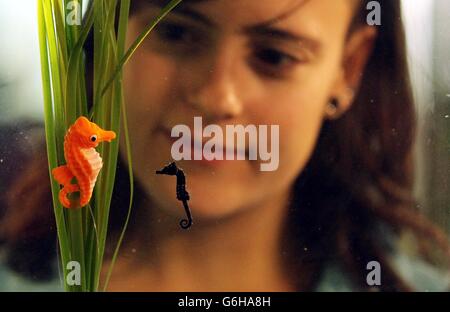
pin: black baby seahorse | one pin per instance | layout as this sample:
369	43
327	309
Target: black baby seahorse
182	194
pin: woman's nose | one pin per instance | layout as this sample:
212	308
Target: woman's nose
217	94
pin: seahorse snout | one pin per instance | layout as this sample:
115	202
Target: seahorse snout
107	136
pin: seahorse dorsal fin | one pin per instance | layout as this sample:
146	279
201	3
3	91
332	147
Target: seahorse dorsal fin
83	122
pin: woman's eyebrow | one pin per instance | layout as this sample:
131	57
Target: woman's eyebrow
272	32
264	29
194	15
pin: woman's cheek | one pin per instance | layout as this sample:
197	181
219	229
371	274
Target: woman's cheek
148	90
300	124
147	82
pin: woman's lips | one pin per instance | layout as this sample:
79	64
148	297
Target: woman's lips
166	133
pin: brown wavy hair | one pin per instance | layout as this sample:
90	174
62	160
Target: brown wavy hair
359	176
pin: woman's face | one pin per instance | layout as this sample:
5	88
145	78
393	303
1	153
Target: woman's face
231	63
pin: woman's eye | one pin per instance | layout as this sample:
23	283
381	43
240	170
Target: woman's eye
175	33
273	62
274	58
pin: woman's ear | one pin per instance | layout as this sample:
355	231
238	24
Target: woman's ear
357	51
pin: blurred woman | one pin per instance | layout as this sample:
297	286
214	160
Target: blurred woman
339	91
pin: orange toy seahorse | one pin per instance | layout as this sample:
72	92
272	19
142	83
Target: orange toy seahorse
83	161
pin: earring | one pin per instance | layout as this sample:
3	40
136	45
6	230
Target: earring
332	107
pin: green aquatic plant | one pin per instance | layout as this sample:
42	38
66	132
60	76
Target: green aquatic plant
82	232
